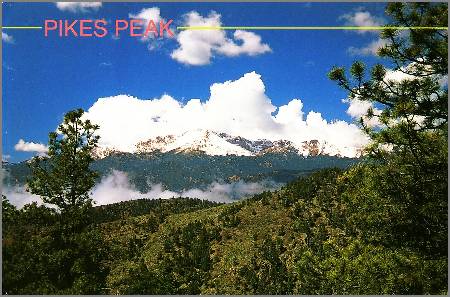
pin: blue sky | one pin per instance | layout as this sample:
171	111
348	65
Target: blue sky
45	77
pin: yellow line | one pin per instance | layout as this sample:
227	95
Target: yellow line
306	28
21	27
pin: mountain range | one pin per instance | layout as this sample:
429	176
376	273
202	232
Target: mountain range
214	143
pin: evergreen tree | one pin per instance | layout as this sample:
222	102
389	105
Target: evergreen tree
63	178
410	134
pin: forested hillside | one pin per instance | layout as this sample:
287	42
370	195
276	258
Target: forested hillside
179	171
45	253
314	236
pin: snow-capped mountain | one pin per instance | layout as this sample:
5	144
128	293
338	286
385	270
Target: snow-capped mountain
204	141
220	144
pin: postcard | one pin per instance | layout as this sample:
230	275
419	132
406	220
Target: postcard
224	148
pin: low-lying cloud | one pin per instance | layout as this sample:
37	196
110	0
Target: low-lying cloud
116	187
19	196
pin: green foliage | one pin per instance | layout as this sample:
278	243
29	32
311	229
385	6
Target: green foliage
9	212
428	47
228	217
42	254
159	208
340	234
132	277
183	259
354	231
96	251
267	272
64	177
360	269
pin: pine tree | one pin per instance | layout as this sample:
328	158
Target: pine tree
411	134
63	178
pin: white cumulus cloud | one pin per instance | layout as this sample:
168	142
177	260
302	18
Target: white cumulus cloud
238	107
197	47
78	6
24	146
250	45
357	109
362	19
148	14
370	49
7	38
151	14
